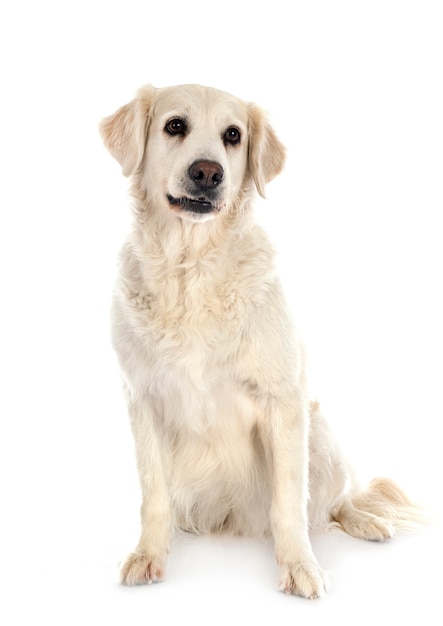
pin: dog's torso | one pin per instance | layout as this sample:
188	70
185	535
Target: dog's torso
193	331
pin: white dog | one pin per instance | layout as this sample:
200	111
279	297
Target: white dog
225	436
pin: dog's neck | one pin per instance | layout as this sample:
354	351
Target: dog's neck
162	234
168	258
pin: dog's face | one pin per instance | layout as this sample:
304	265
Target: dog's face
196	152
193	148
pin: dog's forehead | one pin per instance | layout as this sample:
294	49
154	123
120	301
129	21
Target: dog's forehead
196	101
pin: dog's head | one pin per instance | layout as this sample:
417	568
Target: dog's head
194	148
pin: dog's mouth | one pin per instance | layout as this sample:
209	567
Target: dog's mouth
194	205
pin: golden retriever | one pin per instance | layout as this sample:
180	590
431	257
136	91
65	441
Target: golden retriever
226	438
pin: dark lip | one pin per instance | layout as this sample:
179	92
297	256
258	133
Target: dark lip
195	205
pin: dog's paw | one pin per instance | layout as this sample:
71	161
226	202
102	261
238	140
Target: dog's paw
363	525
140	569
304	578
376	529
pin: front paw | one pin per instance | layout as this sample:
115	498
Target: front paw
303	578
141	569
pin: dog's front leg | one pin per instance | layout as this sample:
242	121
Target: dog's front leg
288	447
146	564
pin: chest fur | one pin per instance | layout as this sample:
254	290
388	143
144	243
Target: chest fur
183	321
179	303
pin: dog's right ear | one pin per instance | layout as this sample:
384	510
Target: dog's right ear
124	133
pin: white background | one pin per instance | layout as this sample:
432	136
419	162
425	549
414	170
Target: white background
354	89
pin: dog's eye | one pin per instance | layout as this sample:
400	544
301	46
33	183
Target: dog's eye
232	135
176	127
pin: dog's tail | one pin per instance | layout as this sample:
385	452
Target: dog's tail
378	512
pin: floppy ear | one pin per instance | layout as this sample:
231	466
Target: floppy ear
124	133
266	153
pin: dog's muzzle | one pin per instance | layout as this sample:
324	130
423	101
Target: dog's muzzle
203	186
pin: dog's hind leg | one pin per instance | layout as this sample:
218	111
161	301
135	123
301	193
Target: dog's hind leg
375	513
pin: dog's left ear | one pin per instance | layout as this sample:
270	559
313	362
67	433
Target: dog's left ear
124	133
267	154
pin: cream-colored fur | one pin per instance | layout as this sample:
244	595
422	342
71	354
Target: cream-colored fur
226	439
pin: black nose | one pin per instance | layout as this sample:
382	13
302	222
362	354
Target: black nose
206	174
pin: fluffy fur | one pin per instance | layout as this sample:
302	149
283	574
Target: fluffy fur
225	436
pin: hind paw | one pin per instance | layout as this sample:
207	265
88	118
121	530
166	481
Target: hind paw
362	525
375	529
